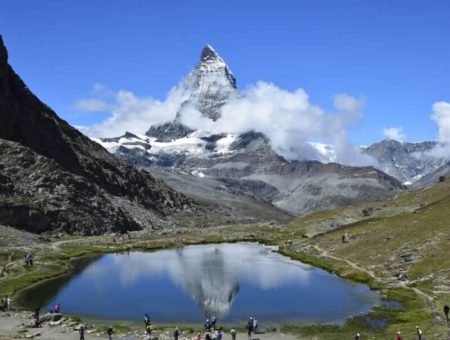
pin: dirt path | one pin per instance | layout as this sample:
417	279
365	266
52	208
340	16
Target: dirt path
323	252
428	298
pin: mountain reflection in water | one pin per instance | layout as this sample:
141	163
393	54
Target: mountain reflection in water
210	274
231	281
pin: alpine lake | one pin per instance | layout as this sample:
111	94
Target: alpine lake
230	281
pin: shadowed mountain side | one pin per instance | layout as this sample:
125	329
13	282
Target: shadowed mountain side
72	156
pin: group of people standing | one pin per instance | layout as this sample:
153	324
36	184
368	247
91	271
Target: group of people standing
5	304
252	327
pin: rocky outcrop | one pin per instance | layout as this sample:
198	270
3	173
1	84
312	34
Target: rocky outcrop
408	162
59	164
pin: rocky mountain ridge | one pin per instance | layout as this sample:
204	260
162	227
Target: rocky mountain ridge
65	175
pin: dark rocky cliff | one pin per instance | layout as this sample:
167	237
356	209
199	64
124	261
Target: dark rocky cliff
36	130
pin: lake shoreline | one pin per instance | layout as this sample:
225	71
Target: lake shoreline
73	247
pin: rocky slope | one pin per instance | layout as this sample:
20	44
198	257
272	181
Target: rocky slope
53	177
434	177
408	162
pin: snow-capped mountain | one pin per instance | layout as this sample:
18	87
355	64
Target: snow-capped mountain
241	171
209	86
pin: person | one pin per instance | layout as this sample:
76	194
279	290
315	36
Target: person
446	311
208	336
37	312
81	331
255	325
207	325
213	322
35	322
146	319
233	333
219	334
8	304
250	328
110	333
357	336
176	334
419	333
29	259
199	336
57	308
148	328
399	336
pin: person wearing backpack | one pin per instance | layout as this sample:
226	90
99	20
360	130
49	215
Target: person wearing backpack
110	333
233	333
446	311
81	332
250	328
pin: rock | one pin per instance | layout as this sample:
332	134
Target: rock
55	178
55	323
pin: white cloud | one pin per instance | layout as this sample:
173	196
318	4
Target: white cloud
130	112
441	115
395	133
91	105
288	118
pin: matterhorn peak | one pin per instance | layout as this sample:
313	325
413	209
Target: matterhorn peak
209	53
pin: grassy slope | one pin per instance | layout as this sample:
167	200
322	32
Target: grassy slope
409	234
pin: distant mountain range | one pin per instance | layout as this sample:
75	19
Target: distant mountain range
209	166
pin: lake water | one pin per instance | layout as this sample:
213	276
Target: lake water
231	281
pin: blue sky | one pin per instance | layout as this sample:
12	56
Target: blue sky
394	53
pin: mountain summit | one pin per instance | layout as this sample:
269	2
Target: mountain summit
208	87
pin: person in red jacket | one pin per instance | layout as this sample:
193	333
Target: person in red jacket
399	336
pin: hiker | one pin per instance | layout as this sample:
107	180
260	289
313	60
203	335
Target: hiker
446	310
81	331
207	336
233	333
29	259
148	328
199	336
37	312
398	337
213	322
8	304
176	334
207	325
146	319
419	333
57	308
357	336
255	325
110	333
219	334
345	238
35	322
250	328
3	304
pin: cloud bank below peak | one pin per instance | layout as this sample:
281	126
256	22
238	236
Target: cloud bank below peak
288	118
